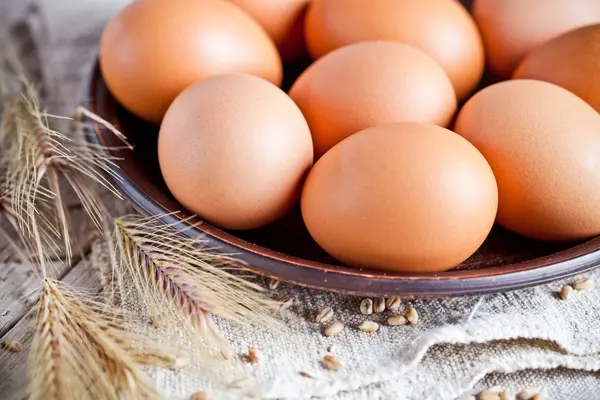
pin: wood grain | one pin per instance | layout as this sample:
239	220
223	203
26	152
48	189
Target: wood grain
13	366
17	292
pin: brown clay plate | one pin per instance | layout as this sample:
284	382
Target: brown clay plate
285	251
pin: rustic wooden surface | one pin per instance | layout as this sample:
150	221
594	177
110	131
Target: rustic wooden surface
18	284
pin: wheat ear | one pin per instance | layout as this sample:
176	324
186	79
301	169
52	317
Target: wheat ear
186	280
81	351
8	245
38	158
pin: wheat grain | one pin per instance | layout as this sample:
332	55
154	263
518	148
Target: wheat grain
379	305
583	284
397	320
202	395
366	306
412	315
369	326
566	292
12	345
333	329
393	304
254	355
331	363
324	315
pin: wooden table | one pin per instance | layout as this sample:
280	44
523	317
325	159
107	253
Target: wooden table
19	284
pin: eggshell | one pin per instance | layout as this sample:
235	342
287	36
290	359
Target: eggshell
403	197
283	20
543	144
571	61
444	29
511	29
235	150
370	83
153	49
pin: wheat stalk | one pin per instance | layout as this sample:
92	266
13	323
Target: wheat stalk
11	245
8	245
38	157
183	279
81	350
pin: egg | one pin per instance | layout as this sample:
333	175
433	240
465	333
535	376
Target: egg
283	21
405	197
511	29
443	29
371	83
153	49
571	61
543	144
235	150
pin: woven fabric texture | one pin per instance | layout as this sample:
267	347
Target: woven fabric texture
522	339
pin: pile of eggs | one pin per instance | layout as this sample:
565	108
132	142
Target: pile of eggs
398	165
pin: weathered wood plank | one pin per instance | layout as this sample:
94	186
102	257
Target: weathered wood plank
13	366
17	285
18	281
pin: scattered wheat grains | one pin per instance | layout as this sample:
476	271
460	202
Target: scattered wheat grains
366	306
393	304
331	363
397	320
566	292
199	396
369	326
583	284
412	315
12	345
379	305
333	329
324	315
273	284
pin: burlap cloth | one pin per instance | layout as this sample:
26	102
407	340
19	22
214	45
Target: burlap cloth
522	339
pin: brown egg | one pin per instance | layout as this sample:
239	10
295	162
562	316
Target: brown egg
543	144
443	29
511	29
153	49
235	149
371	83
571	61
283	21
401	197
